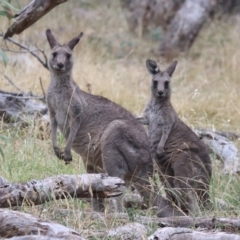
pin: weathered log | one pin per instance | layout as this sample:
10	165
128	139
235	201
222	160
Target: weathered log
223	224
37	237
223	148
30	14
133	231
59	187
20	107
13	223
3	181
189	234
185	26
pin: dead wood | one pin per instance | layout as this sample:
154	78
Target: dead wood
225	224
189	234
223	148
231	225
30	14
133	231
22	107
37	237
36	192
3	181
43	60
13	223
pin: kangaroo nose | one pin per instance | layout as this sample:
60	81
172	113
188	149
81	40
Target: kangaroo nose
160	93
60	65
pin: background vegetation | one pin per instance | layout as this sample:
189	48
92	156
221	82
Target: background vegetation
111	61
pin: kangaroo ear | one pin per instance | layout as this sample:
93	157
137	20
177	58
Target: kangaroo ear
51	39
74	41
170	70
152	67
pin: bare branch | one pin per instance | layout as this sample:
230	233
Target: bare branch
16	224
12	83
32	52
44	94
30	14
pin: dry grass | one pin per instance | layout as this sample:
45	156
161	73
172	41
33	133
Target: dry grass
205	89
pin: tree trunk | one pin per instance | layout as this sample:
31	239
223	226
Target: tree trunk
185	26
142	13
189	234
30	14
36	192
13	223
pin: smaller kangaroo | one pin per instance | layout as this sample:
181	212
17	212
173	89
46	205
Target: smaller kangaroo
108	138
182	158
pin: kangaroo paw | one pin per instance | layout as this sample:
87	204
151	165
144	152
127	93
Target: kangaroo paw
58	153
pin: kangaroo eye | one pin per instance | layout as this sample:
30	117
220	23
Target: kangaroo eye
166	84
68	56
54	54
155	83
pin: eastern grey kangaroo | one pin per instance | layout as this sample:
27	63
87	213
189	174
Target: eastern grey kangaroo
108	138
182	158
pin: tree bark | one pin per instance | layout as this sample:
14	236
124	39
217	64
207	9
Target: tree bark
185	26
145	12
13	223
30	14
189	234
36	192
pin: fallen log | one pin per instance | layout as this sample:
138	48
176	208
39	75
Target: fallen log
20	107
231	225
13	224
3	181
189	234
225	224
133	231
36	192
223	148
30	14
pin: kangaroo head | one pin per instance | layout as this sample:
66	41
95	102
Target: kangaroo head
60	60
160	79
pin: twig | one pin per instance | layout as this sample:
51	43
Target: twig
12	83
44	95
14	51
45	64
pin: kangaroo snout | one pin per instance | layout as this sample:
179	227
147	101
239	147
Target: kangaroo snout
60	65
160	93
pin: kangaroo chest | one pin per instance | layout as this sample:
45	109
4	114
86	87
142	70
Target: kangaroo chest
157	120
60	106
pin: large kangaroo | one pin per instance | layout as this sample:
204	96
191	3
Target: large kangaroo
108	138
182	158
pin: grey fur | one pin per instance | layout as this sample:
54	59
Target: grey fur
182	158
108	138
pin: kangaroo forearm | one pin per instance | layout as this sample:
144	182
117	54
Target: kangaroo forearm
143	120
73	131
163	140
54	132
165	133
